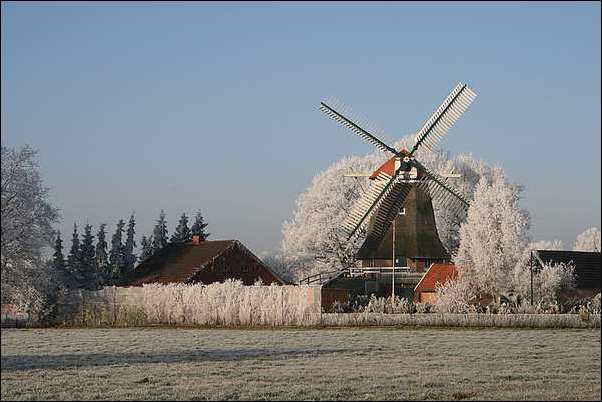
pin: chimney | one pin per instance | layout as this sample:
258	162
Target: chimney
196	239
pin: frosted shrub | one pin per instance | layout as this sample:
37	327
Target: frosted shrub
454	296
389	305
424	308
595	306
220	304
549	282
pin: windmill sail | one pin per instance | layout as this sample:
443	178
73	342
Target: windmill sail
355	127
369	203
444	117
402	179
388	210
438	188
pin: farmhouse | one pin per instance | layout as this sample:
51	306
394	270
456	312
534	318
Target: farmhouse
587	268
202	262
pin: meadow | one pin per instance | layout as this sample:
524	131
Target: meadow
287	363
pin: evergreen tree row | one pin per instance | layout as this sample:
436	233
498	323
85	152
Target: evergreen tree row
90	266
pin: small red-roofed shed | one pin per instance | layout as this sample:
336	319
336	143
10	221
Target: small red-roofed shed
437	274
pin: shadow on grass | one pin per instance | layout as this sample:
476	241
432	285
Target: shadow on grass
35	362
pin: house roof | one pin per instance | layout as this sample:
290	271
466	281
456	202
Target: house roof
180	262
587	265
177	262
436	274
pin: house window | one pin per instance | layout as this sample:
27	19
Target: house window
244	269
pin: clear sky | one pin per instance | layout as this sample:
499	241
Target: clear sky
138	107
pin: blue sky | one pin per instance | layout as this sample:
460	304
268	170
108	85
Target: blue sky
138	107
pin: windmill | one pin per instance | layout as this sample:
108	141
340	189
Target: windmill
403	177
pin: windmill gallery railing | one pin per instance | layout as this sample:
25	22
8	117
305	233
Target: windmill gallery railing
322	277
402	274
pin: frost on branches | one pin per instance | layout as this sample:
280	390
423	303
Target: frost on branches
312	240
588	240
494	236
27	219
546	245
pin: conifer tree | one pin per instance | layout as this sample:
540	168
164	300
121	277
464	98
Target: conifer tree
198	228
160	233
102	259
182	233
58	262
58	258
130	244
147	247
116	255
87	266
73	259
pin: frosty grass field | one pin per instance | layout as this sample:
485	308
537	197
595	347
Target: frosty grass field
370	363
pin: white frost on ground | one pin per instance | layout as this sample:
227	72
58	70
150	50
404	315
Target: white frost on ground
300	364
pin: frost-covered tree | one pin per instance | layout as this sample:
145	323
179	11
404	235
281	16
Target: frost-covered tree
146	248
494	236
103	268
86	275
312	241
130	244
588	240
27	215
160	233
198	227
471	171
182	233
26	226
116	254
74	257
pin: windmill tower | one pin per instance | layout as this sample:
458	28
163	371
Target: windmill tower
404	184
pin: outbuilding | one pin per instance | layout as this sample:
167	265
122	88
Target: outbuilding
202	261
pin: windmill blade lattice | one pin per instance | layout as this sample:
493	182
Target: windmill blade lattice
439	189
354	125
389	209
444	117
367	205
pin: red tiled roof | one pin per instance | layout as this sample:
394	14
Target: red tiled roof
436	274
389	166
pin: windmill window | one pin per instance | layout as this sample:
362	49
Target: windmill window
244	269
